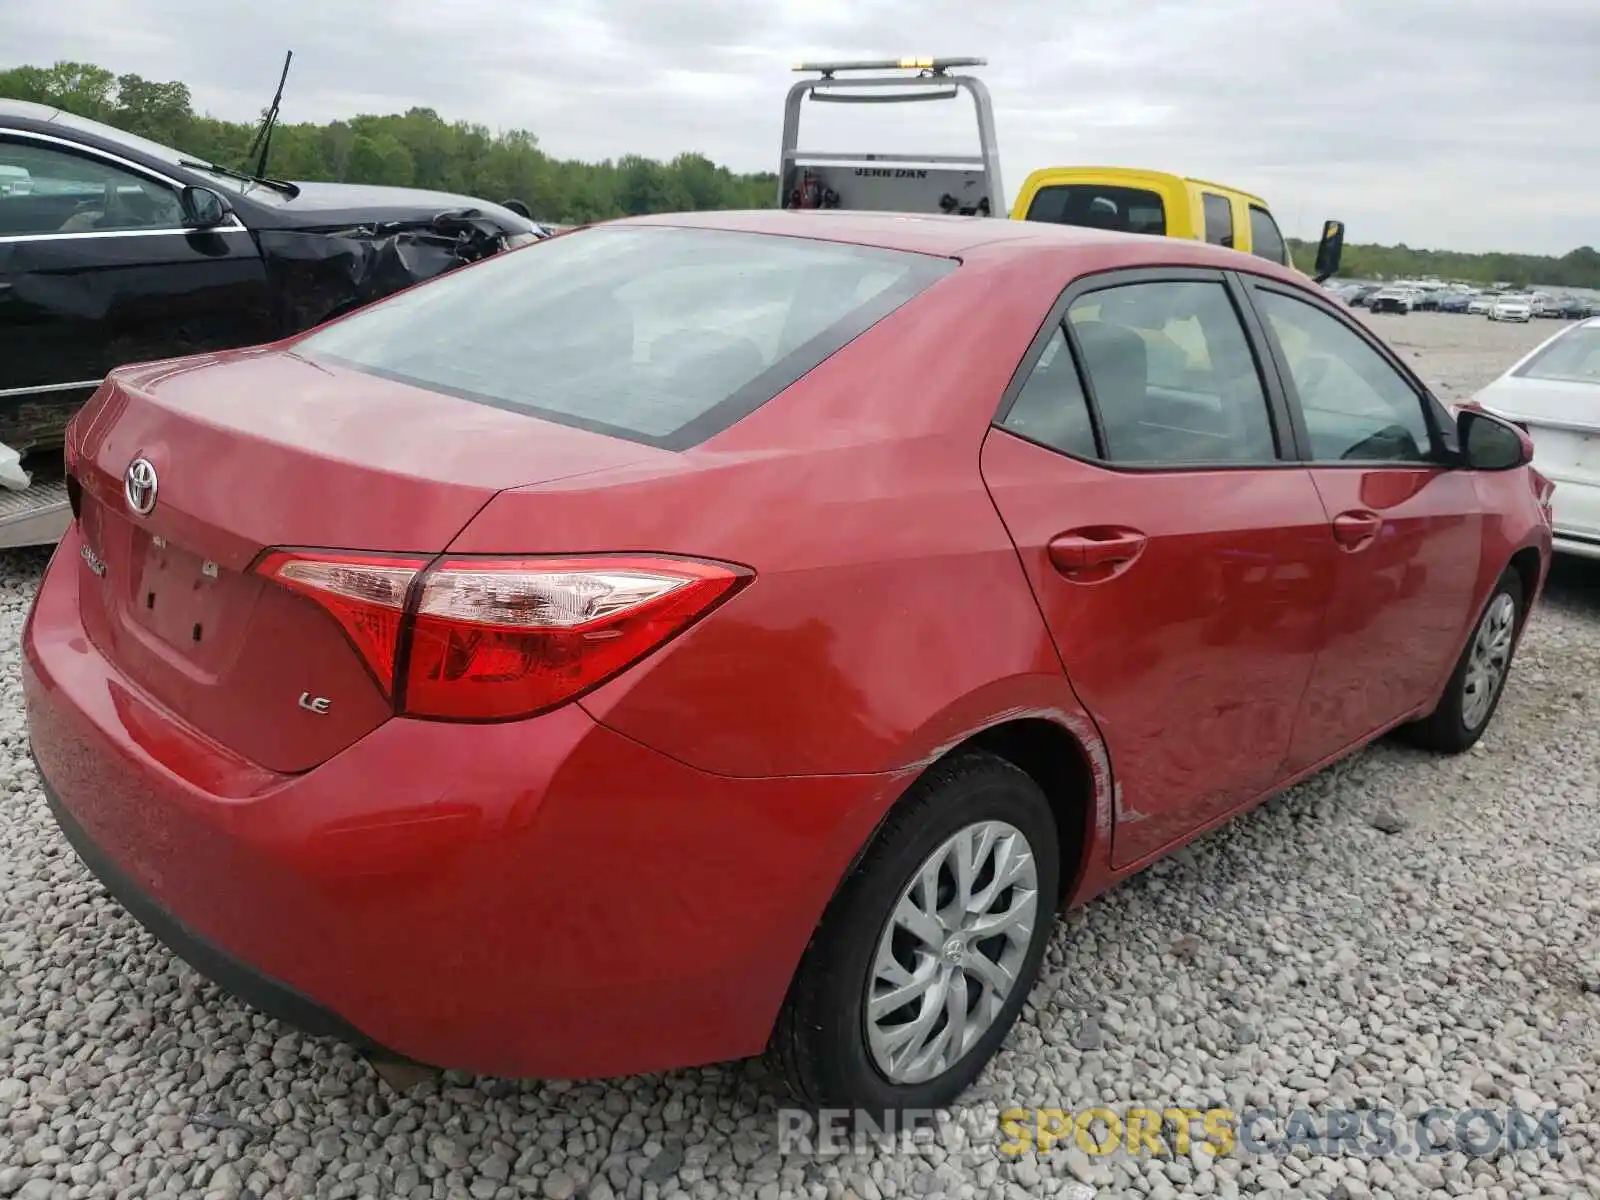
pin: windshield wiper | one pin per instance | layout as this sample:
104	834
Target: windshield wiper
282	185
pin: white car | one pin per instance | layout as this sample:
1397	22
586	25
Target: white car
1554	393
1511	308
1392	299
1480	304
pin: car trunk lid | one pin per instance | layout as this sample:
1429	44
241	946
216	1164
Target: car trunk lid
266	449
1563	419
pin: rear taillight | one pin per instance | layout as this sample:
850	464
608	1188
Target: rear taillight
490	638
366	594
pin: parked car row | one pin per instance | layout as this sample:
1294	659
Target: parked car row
1497	305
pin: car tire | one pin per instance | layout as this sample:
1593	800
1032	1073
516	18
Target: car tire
1479	680
833	1046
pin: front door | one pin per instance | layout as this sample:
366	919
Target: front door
98	270
1181	561
1408	529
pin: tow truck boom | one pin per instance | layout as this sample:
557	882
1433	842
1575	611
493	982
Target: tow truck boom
968	184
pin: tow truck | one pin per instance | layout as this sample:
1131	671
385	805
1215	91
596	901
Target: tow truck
1123	198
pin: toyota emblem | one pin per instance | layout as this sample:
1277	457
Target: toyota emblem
139	486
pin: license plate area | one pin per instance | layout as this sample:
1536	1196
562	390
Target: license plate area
187	601
183	606
1569	452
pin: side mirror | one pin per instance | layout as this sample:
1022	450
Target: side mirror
518	207
203	208
1489	443
1330	250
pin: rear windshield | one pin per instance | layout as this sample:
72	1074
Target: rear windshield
1572	357
1100	206
661	335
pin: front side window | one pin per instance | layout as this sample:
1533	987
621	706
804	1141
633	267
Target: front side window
52	190
660	335
1100	206
1172	375
1574	357
1219	219
1357	407
1265	240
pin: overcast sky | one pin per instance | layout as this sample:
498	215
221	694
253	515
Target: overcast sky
1467	124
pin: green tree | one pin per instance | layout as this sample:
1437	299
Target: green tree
159	111
80	88
1578	268
418	148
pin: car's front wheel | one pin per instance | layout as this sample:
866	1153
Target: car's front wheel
925	956
1473	693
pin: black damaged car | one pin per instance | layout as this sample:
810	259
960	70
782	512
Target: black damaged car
114	249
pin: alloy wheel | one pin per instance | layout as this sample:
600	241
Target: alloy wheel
951	952
1489	660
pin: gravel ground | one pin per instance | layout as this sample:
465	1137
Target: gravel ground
1457	354
1398	932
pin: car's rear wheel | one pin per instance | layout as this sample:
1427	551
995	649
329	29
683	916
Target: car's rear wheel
925	956
1473	693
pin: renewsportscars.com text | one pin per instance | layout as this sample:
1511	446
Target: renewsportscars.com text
1167	1132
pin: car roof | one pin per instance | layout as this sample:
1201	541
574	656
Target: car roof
1248	197
88	131
28	110
967	237
1135	176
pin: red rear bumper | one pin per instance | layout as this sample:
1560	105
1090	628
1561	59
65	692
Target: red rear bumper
543	898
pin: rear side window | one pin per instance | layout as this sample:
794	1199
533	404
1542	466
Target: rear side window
1219	219
1100	206
659	335
1574	357
1265	240
1051	408
1172	375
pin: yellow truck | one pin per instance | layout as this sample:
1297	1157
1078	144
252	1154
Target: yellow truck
1157	202
1121	198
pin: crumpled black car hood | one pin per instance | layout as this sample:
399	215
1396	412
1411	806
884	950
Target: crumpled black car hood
319	273
329	205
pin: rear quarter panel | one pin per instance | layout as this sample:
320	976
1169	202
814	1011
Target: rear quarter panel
889	615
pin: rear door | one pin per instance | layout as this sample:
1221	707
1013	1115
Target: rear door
1180	558
98	270
1408	528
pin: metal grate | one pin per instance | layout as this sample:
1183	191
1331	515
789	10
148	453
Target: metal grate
35	499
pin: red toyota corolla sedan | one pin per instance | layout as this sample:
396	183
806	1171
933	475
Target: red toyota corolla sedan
697	636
